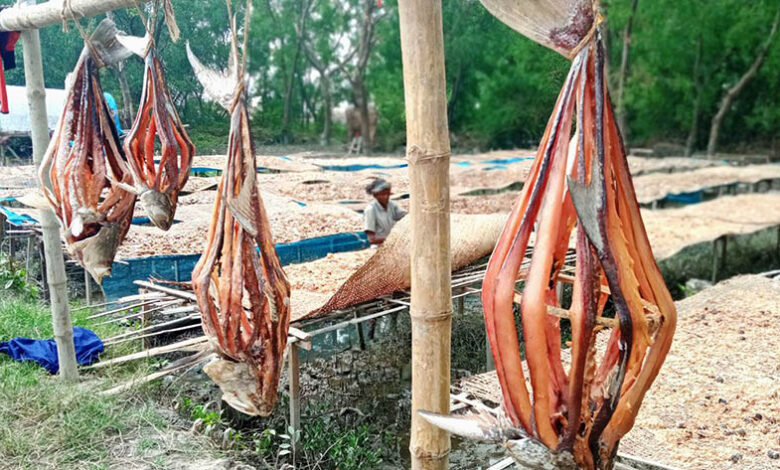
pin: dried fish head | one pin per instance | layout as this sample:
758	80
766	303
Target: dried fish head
158	207
96	253
239	384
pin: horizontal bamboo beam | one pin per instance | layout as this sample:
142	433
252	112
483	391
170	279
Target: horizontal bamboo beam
24	15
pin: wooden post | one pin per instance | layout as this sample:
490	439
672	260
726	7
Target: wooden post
55	264
428	151
147	342
777	248
295	386
87	289
359	328
28	256
718	256
489	361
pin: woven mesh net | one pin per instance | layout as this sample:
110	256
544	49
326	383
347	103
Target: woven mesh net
388	271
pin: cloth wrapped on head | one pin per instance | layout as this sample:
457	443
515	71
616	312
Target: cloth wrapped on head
377	186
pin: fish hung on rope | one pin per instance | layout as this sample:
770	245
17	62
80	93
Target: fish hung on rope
242	291
580	184
157	182
84	168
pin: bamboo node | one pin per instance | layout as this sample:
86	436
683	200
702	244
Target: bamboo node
416	155
421	454
431	317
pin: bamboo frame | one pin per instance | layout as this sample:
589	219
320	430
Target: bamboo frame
24	16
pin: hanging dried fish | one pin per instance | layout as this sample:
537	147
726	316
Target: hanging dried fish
157	182
583	181
85	161
243	294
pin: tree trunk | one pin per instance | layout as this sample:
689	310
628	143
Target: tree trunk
455	93
623	76
55	264
734	91
288	95
361	102
428	151
327	111
690	143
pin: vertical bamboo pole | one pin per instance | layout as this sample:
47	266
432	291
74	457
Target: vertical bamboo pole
428	151
55	264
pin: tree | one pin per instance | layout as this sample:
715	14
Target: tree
736	89
320	51
355	68
623	74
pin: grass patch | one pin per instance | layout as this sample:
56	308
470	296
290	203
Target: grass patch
46	423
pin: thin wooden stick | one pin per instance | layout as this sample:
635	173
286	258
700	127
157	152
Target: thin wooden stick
156	333
174	367
185	345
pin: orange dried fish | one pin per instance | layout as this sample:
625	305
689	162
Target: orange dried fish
242	291
81	166
158	182
578	181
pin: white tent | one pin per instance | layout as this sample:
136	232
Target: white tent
17	122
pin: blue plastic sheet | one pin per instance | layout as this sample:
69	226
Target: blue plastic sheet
44	351
179	267
372	166
693	197
12	217
504	161
199	170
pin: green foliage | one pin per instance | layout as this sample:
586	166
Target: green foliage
14	279
501	87
201	412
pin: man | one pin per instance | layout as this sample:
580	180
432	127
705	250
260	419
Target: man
382	213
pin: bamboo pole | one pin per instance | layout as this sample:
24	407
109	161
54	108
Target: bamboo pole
428	151
55	265
22	16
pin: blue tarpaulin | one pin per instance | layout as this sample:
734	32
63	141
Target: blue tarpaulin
12	217
44	351
504	161
373	166
179	267
199	170
693	197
